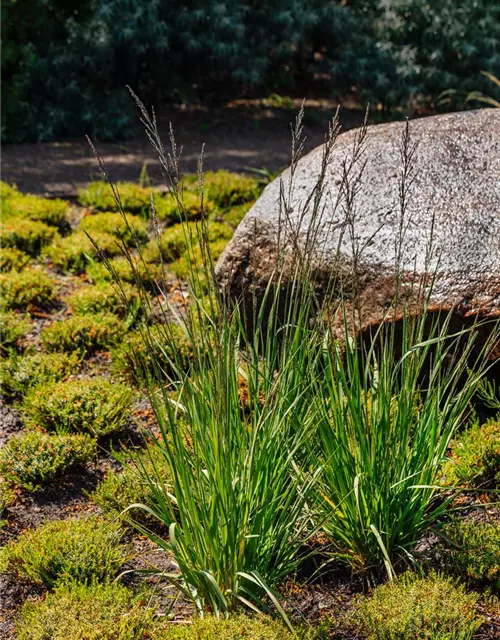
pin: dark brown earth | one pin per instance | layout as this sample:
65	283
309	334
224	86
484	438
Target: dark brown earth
235	137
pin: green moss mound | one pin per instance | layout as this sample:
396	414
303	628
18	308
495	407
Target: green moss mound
149	276
475	554
31	287
237	627
29	236
131	231
30	207
14	328
170	345
194	266
476	457
99	196
84	550
188	207
129	486
416	608
84	333
96	405
8	496
81	612
33	459
19	374
173	242
13	258
106	296
228	189
76	251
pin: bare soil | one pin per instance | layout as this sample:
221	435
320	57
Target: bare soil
237	136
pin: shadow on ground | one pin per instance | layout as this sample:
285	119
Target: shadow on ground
235	137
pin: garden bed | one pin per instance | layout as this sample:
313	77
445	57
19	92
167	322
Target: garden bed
78	415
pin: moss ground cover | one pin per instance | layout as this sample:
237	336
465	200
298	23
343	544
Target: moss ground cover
19	374
30	287
33	459
94	612
215	488
83	334
83	550
94	405
15	326
417	608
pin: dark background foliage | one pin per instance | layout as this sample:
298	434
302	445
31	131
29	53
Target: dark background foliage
66	63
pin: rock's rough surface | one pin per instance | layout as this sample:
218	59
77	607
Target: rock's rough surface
455	198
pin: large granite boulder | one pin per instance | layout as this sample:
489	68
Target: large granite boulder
454	207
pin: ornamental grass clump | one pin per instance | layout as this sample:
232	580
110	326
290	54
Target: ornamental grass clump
86	550
33	459
236	506
384	425
347	436
95	405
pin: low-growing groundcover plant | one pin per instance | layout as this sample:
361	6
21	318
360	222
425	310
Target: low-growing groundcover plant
233	628
18	374
30	287
87	612
99	196
14	326
13	258
20	205
104	297
130	231
29	236
83	550
84	334
164	346
415	607
471	551
95	405
33	459
8	495
475	457
74	252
